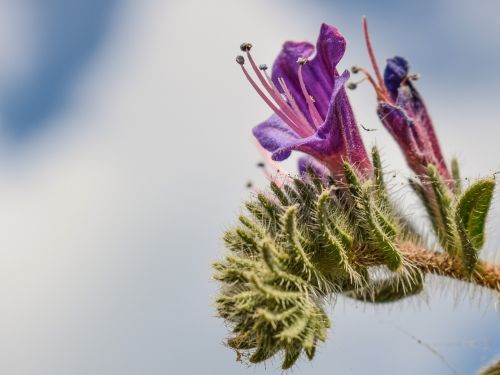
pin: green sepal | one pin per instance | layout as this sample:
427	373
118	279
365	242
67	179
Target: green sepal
470	254
315	179
279	194
443	217
391	289
378	172
291	355
455	172
376	226
472	210
421	193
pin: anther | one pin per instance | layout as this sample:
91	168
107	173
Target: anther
245	47
355	69
261	164
263	67
352	86
302	60
240	59
410	77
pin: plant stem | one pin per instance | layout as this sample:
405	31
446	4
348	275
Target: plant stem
485	274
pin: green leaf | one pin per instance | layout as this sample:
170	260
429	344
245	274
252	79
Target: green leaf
472	209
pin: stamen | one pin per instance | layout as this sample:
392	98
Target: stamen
262	95
381	94
410	77
312	108
291	100
372	55
354	85
302	60
297	113
276	95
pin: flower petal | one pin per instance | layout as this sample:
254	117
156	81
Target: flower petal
330	47
395	71
318	73
277	137
410	99
403	130
331	117
397	122
341	128
273	134
286	67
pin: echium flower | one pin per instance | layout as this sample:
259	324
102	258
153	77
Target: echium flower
312	113
404	114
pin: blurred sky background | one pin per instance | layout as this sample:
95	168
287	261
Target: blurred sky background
125	148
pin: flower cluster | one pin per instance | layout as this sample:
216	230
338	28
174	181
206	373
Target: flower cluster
335	229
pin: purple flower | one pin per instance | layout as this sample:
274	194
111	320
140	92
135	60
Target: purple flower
407	119
403	112
312	113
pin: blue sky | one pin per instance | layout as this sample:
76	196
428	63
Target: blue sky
125	147
67	36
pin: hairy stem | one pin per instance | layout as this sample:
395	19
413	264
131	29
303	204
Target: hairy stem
485	274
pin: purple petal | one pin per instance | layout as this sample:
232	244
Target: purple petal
273	134
411	100
331	128
397	123
319	169
356	152
331	116
341	125
277	137
403	131
395	71
286	67
331	47
318	73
